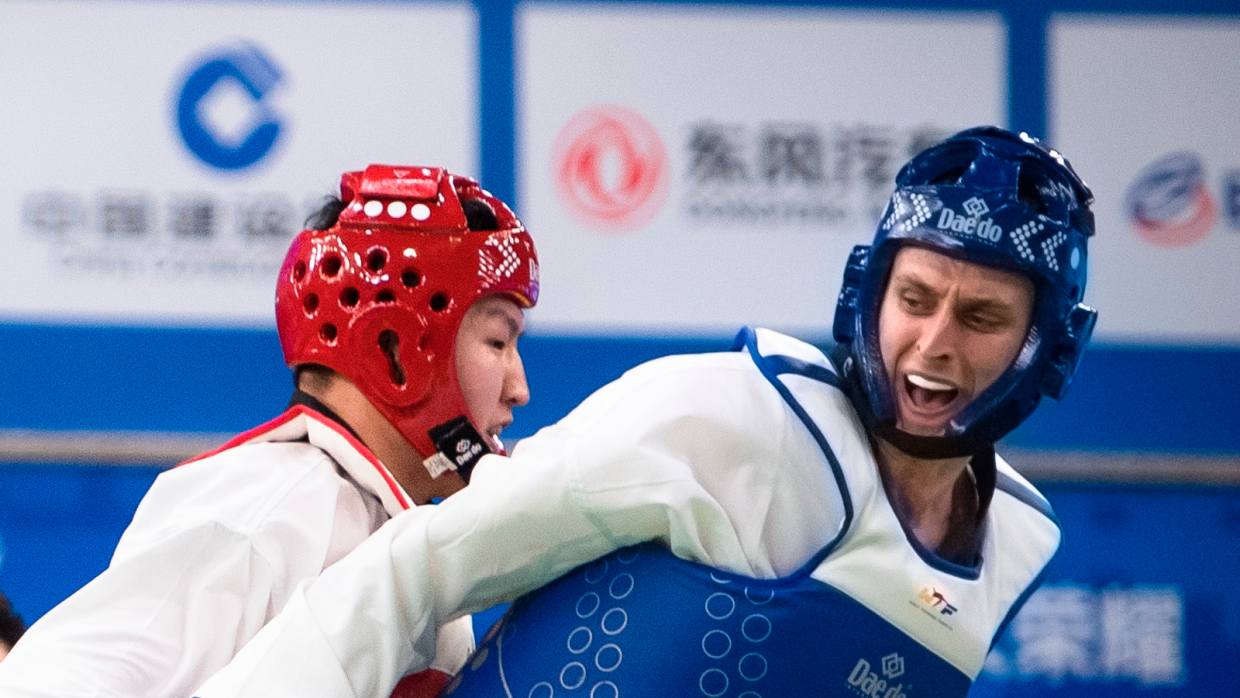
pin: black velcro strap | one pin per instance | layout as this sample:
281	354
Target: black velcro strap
460	443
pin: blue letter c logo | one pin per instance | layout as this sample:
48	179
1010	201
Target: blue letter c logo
258	75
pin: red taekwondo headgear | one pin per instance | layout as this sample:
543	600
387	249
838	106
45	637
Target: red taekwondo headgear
379	297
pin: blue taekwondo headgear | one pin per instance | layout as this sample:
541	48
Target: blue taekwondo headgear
991	197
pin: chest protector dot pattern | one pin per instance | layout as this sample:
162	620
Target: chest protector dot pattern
641	623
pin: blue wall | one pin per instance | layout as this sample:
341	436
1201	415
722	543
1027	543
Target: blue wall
180	380
58	525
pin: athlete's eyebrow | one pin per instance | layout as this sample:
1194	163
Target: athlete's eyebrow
991	305
515	329
910	280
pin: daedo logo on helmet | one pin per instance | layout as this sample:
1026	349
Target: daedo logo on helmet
223	111
970	222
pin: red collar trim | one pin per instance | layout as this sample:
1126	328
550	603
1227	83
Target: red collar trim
302	411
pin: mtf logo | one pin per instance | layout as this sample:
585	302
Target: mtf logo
223	110
934	599
611	168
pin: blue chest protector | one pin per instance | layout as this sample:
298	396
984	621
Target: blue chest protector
641	623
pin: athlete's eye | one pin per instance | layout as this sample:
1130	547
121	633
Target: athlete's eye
915	302
984	322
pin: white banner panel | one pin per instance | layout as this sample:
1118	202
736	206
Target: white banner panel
158	157
1146	109
689	169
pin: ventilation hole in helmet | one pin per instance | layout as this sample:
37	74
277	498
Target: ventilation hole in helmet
439	302
389	342
311	303
385	296
349	297
950	176
1034	187
299	271
479	215
410	278
376	259
942	165
330	266
424	342
328	333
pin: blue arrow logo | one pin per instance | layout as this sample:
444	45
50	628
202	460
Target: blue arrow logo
247	68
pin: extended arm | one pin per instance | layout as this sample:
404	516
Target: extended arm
214	551
150	625
677	450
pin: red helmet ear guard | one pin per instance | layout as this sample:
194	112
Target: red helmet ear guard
379	298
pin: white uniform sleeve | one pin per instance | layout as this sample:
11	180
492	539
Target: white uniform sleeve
145	626
215	550
656	455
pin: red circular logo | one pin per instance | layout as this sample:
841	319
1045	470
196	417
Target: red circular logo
611	168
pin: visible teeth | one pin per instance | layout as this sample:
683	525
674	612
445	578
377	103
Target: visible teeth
927	384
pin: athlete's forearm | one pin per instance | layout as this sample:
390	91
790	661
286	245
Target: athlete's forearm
373	617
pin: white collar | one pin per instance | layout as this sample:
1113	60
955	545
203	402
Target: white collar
303	422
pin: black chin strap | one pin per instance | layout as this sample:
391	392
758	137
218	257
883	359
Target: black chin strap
458	445
306	399
928	447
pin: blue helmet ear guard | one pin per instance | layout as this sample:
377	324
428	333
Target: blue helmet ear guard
995	198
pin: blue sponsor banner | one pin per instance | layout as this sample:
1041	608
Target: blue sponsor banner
58	527
215	381
1140	600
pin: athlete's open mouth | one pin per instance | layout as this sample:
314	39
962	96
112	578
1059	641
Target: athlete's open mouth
497	444
928	394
